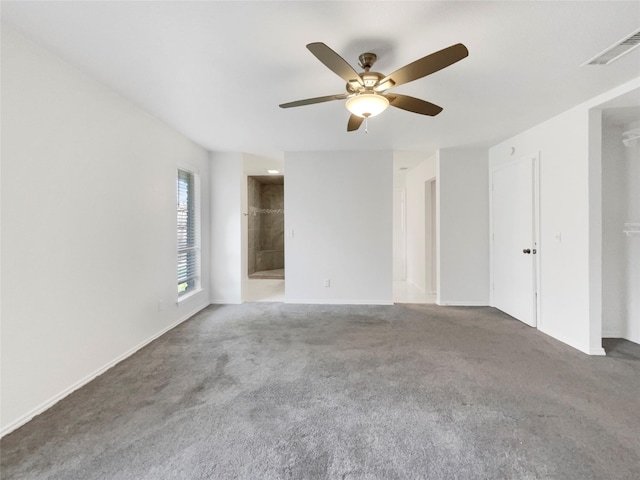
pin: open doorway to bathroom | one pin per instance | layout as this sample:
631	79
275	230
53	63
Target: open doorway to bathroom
414	228
265	199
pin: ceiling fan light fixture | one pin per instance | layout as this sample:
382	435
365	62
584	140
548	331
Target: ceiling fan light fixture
367	104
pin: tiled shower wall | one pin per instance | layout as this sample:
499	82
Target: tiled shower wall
266	226
253	190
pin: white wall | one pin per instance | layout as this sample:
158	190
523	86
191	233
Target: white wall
399	233
226	227
462	226
594	219
88	228
564	221
417	263
570	219
339	207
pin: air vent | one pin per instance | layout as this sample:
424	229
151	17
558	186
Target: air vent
616	50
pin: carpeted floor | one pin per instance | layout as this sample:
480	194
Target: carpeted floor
275	391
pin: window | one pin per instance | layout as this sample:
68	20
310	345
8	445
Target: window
188	233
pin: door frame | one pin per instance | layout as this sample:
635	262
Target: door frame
535	157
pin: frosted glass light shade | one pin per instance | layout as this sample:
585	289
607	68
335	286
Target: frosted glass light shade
367	104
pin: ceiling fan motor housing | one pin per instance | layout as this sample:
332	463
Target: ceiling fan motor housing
370	80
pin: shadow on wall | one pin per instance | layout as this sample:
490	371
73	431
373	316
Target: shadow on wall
266	226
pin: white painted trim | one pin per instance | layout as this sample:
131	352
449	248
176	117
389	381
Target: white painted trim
225	302
188	167
79	384
188	296
198	217
631	338
315	301
536	236
438	181
594	227
597	351
611	94
421	290
460	304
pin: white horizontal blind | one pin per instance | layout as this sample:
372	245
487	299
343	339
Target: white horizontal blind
188	233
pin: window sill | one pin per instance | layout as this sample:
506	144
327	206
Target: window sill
188	296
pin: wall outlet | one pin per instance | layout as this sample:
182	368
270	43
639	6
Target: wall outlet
327	283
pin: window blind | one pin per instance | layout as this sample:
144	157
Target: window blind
188	264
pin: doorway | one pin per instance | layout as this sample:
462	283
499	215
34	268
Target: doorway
414	231
621	224
514	242
265	201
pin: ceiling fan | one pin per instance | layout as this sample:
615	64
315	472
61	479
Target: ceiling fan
367	92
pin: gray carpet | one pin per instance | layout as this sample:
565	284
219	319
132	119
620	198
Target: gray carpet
274	391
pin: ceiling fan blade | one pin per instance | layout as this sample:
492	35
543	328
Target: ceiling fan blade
354	123
425	66
335	62
414	105
311	101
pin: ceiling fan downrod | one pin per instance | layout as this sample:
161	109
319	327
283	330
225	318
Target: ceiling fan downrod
366	60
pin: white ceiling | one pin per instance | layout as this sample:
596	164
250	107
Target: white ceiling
216	71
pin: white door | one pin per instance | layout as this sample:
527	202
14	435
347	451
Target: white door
513	242
399	235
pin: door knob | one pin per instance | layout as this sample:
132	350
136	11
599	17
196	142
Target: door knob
526	250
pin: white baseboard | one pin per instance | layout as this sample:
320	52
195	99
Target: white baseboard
56	398
225	302
338	302
632	338
619	334
460	304
597	351
571	343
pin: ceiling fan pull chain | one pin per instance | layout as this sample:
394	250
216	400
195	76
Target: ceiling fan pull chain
366	124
